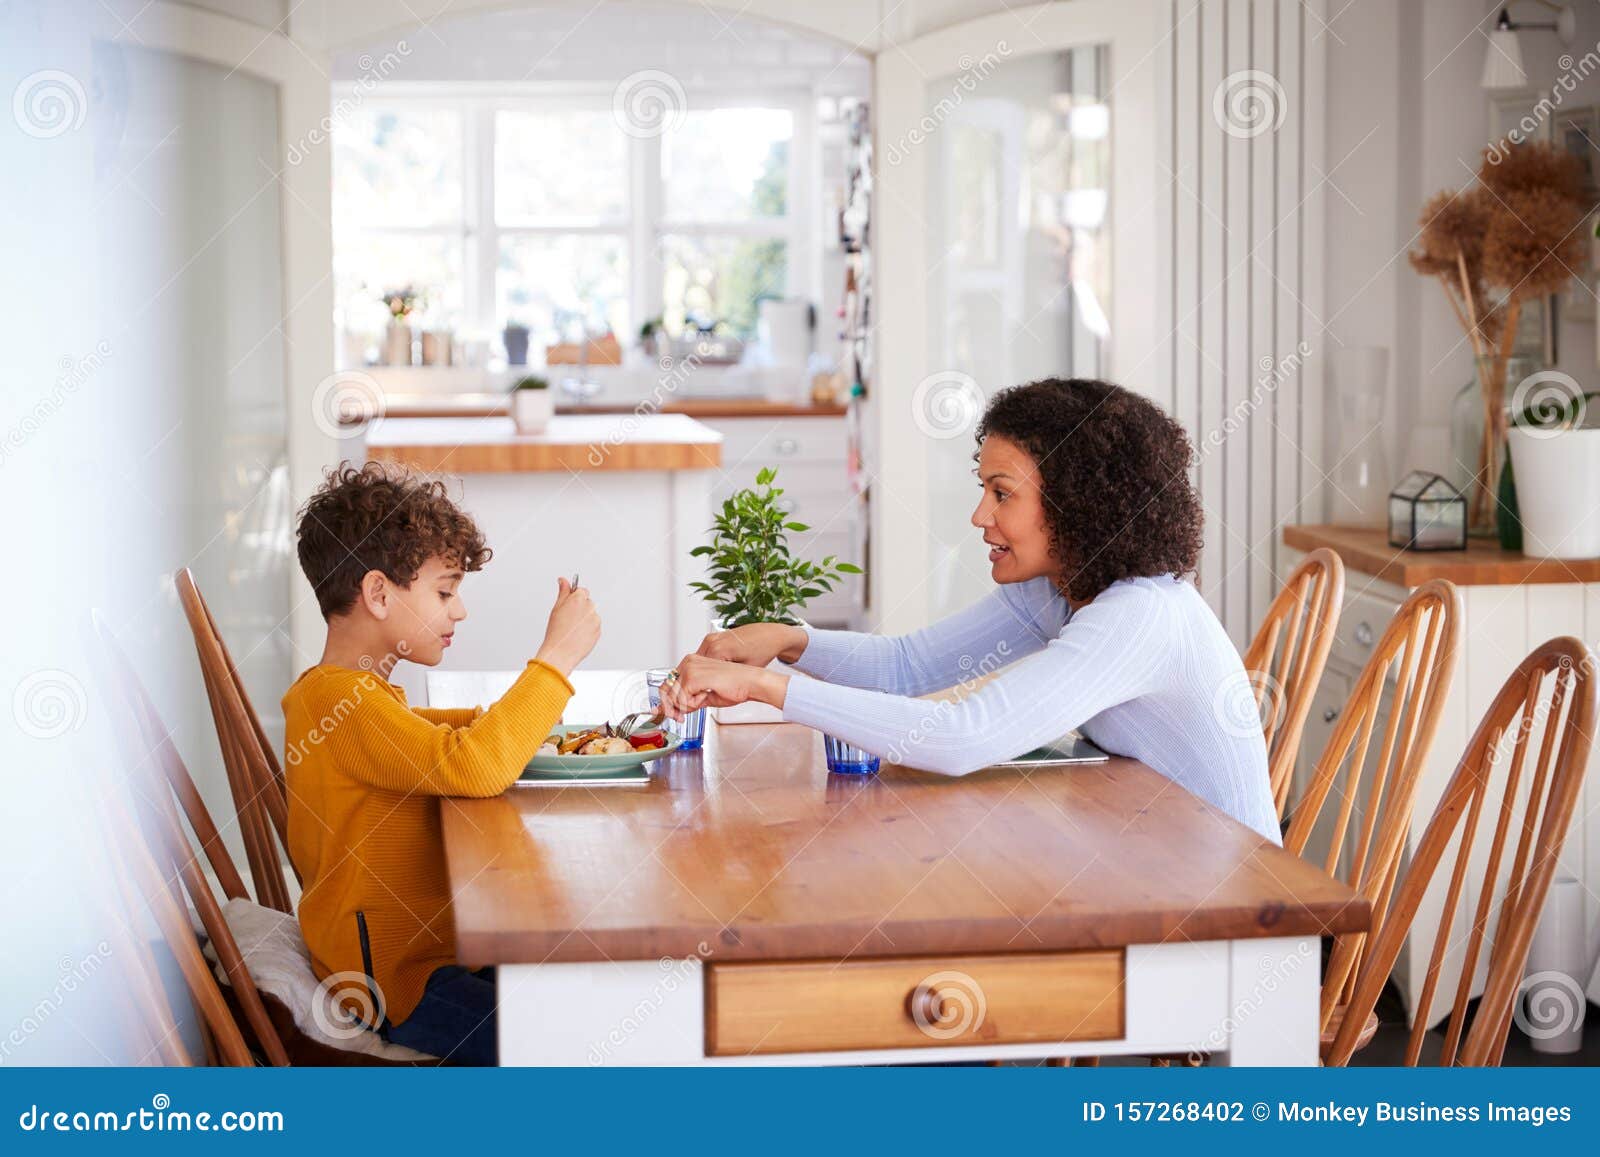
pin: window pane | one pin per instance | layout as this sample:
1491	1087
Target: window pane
550	284
568	166
727	164
366	266
397	168
720	279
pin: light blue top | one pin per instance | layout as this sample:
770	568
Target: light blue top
1144	670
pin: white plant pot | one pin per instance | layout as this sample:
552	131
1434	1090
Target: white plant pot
1558	491
532	410
750	712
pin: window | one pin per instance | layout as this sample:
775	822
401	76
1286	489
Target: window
545	212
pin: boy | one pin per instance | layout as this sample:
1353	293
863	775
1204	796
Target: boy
385	552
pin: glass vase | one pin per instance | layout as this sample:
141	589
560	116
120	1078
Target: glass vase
1476	465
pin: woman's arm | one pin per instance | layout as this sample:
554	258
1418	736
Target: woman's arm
1113	650
998	629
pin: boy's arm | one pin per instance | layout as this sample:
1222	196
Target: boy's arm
449	716
382	742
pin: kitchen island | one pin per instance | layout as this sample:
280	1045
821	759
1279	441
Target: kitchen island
617	499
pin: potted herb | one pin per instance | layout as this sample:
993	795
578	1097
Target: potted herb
647	336
531	405
753	577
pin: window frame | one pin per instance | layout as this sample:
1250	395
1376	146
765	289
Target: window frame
643	224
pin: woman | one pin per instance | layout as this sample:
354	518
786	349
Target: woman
1092	525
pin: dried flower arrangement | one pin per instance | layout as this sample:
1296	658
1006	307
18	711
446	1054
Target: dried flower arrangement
1513	236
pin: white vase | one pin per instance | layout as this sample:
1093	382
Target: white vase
1359	495
397	344
1558	491
532	410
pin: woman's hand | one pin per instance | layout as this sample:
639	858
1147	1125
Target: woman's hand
704	682
756	644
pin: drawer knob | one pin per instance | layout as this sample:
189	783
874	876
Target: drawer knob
1330	715
1363	634
946	1005
786	446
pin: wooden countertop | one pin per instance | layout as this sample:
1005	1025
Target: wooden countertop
573	442
499	405
1483	563
751	850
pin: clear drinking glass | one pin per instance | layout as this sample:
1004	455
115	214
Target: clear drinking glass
691	729
847	759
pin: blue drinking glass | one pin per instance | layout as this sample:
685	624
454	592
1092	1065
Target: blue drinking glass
691	729
847	759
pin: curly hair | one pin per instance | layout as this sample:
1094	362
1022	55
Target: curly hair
375	518
1114	479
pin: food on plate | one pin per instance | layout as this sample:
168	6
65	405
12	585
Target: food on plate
602	741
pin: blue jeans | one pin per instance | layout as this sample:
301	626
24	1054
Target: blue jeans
455	1019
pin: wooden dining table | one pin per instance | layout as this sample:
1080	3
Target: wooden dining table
747	907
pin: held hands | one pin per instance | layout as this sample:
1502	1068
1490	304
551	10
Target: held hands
573	629
706	682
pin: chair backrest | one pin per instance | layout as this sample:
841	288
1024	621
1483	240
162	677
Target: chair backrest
1287	655
152	840
1403	687
1548	703
255	778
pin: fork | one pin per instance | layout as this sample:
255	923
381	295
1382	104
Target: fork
638	721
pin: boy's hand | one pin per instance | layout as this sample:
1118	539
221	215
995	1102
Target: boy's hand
755	644
573	629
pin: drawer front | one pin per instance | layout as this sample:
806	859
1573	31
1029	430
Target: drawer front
748	444
1361	624
917	1002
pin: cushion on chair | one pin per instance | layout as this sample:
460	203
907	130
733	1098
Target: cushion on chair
280	963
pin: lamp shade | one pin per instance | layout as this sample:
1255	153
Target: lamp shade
1502	61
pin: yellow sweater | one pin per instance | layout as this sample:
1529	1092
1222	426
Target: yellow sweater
364	772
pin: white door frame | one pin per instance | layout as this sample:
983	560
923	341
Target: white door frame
301	80
901	551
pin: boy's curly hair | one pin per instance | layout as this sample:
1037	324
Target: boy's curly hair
379	518
1114	477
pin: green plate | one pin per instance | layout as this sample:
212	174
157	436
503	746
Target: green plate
587	765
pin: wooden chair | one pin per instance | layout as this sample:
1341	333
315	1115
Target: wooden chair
1286	658
157	779
255	777
1548	701
1404	686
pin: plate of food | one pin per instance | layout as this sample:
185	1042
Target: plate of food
585	749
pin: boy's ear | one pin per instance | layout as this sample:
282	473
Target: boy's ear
375	594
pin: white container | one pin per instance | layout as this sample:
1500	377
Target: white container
1558	491
532	410
785	329
1553	984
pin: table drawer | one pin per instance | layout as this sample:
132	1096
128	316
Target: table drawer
748	444
1361	624
920	1002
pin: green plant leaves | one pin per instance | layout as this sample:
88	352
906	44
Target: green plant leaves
753	576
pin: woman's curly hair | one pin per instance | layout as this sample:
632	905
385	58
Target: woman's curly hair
374	517
1113	475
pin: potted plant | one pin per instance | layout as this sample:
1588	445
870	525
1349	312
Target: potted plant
401	304
753	577
1555	455
1510	238
531	405
647	336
